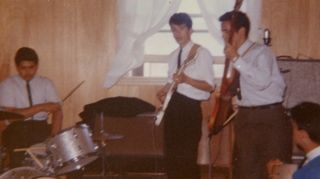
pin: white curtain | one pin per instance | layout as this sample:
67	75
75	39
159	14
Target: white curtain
137	20
213	9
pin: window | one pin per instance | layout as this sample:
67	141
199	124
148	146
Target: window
159	45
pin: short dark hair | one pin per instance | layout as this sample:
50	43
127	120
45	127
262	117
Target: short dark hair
239	20
181	18
26	54
307	117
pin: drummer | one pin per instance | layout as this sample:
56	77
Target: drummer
33	97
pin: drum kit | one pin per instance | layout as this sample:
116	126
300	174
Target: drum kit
68	151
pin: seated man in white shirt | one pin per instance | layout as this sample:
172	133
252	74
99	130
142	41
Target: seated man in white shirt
33	97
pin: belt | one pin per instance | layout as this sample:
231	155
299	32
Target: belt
267	106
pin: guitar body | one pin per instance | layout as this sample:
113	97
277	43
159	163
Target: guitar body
220	113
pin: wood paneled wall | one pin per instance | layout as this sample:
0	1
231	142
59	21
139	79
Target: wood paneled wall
294	25
76	41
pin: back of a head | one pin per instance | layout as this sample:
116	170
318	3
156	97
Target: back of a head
180	19
238	18
307	117
26	54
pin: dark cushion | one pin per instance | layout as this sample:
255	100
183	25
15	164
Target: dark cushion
116	107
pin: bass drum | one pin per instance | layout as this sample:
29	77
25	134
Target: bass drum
22	172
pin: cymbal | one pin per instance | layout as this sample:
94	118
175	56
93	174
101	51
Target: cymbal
10	115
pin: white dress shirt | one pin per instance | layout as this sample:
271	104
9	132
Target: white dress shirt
260	79
201	69
13	93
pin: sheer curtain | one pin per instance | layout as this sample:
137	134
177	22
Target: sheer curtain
138	19
213	9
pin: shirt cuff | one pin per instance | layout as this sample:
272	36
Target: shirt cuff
237	62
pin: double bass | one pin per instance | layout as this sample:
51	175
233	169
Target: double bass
223	112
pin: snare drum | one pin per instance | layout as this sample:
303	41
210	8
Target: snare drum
72	149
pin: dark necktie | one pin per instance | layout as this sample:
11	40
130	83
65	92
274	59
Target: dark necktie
29	94
179	58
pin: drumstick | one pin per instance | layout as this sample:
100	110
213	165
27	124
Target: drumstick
35	158
31	154
32	148
72	91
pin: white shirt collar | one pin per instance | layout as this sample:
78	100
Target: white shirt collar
312	154
187	46
244	47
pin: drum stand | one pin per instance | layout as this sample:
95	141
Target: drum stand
102	137
102	144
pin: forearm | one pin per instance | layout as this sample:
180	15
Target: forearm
30	111
56	122
200	84
27	112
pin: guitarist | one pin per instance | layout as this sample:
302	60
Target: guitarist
182	118
262	131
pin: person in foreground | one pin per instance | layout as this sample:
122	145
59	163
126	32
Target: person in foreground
306	133
183	117
33	97
262	131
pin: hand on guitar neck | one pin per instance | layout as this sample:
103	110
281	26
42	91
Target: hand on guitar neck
230	52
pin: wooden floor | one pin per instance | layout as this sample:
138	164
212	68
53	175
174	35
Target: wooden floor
216	173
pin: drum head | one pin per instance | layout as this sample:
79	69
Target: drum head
22	172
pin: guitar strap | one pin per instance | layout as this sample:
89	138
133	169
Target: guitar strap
191	55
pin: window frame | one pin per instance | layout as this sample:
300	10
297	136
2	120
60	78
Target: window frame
131	79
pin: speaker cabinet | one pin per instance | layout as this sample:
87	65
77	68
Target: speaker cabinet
131	136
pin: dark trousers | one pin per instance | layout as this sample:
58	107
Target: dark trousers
260	135
182	122
22	134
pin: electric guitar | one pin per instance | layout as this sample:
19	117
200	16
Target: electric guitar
172	87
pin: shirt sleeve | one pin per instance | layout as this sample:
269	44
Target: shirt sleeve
259	73
205	62
51	93
6	95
